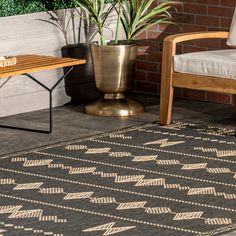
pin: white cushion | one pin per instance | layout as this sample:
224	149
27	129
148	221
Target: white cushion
232	33
219	63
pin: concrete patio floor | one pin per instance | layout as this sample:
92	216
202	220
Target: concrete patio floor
70	122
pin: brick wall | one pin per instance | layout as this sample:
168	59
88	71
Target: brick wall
192	15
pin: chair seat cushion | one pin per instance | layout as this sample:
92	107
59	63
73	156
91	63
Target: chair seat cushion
219	63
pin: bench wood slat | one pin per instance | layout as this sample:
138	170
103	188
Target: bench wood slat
36	63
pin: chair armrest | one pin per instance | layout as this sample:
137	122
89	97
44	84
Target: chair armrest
169	50
177	38
170	42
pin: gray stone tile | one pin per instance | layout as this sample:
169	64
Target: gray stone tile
70	122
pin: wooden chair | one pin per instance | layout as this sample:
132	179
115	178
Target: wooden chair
172	79
177	74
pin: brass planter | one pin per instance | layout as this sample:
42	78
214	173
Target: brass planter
114	67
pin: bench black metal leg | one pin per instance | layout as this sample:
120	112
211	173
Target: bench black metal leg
50	90
50	111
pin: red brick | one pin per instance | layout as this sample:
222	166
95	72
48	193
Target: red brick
155	57
191	28
147	87
153	34
178	92
225	22
162	27
172	29
142	58
147	66
218	98
188	49
148	45
154	27
219	11
140	75
210	43
207	2
228	3
223	45
184	18
194	94
143	35
195	8
207	20
154	77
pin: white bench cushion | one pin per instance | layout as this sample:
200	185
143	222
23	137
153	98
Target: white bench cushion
219	63
232	33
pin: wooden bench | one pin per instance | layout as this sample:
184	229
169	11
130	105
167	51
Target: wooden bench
27	64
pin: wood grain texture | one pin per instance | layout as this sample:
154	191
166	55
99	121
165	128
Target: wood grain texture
177	38
36	63
208	83
167	89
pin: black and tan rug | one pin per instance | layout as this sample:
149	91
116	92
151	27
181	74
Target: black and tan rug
147	180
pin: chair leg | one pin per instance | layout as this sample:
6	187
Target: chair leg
166	103
167	90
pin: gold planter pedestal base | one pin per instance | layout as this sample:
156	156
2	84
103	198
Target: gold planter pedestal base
115	107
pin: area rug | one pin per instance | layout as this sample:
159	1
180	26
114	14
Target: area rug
146	180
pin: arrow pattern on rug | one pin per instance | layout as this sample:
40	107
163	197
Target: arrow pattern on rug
185	166
172	134
164	143
16	213
109	229
140	180
196	166
219	153
37	213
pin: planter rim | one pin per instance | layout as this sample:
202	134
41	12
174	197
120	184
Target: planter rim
109	46
74	45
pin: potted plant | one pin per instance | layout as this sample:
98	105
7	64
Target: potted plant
77	32
80	83
114	61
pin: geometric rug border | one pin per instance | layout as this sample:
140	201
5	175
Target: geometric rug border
65	142
101	134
